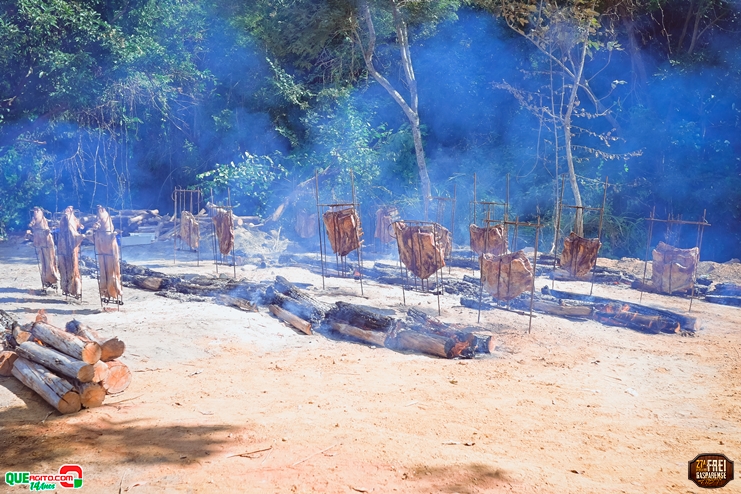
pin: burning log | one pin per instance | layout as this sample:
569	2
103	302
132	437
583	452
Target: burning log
299	302
467	342
488	240
358	316
7	358
224	224
295	321
579	255
111	348
673	269
422	248
91	394
385	216
429	344
56	361
69	253
239	303
189	230
343	230
118	378
621	315
67	343
685	322
106	248
507	276
377	338
306	224
44	244
58	392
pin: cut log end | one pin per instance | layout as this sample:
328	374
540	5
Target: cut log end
69	403
7	359
118	378
112	349
91	395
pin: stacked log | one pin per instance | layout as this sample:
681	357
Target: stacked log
68	369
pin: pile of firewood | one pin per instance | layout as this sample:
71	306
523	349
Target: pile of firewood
69	369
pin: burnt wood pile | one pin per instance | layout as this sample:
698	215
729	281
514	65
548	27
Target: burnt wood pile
70	369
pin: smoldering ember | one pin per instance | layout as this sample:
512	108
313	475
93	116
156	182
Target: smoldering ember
370	246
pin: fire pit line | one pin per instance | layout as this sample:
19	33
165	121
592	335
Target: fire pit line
186	200
580	210
671	222
325	209
517	224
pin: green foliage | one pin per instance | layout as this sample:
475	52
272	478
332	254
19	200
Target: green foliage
23	170
250	180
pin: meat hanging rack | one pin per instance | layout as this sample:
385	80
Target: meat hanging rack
579	255
340	226
499	283
681	262
187	204
108	255
491	236
43	244
222	218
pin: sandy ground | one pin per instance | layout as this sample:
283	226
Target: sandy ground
570	407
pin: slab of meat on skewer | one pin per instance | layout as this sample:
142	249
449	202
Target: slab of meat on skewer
44	244
69	253
108	254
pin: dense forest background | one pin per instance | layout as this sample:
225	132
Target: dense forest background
117	102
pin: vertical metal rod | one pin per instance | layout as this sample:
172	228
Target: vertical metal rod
357	231
535	266
215	242
648	247
231	220
700	232
559	211
599	234
175	232
320	230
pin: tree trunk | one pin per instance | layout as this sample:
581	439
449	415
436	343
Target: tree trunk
118	378
58	392
67	343
411	109
579	219
56	361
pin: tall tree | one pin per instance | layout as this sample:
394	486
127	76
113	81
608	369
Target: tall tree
567	36
324	40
